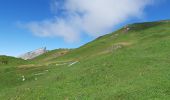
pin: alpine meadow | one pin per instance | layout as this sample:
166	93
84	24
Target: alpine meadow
84	49
129	64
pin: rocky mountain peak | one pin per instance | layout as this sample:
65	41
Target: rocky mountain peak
33	54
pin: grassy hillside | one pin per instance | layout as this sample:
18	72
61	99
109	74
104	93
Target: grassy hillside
8	75
122	38
6	61
132	63
47	57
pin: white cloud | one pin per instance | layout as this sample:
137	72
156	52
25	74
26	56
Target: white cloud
93	17
56	27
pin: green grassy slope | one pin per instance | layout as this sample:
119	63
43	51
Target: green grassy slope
8	75
123	38
131	64
6	60
47	57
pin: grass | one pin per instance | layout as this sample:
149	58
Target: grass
47	57
138	70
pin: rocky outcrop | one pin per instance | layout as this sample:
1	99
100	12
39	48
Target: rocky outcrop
33	54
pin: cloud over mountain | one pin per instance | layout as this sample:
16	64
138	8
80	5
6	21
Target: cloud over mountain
93	17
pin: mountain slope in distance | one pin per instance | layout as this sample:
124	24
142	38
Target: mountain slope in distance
33	54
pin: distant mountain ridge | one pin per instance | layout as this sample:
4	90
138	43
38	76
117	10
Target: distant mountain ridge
33	54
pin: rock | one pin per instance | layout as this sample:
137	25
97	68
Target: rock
33	54
23	78
115	47
73	63
126	29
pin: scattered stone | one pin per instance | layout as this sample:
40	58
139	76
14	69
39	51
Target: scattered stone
39	74
126	29
115	47
115	35
61	64
23	78
73	63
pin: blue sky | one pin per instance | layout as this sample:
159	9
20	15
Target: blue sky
30	24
